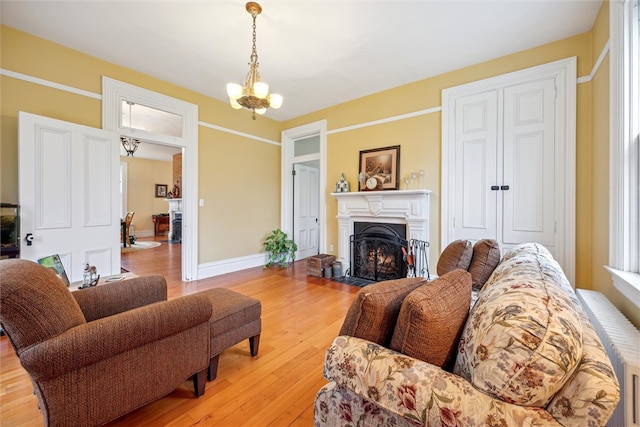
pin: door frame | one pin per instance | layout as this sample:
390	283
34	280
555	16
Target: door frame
286	183
564	72
113	93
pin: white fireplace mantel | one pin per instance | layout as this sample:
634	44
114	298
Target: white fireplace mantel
410	207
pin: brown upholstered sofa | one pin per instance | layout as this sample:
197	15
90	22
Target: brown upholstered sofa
526	355
98	353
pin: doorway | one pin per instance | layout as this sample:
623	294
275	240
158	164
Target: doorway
152	164
304	149
120	106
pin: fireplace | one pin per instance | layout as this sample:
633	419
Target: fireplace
406	208
377	251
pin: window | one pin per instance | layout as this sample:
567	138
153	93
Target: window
136	116
624	256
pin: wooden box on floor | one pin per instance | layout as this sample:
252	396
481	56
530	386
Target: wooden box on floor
317	263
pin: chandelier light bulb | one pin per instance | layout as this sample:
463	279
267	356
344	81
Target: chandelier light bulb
275	99
261	89
234	90
234	104
261	111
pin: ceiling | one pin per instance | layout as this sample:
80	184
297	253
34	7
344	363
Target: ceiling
315	53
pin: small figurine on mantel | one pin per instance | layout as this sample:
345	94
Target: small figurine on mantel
342	186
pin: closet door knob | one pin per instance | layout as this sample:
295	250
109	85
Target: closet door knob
495	188
504	187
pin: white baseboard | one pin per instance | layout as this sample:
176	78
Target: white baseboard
230	265
144	233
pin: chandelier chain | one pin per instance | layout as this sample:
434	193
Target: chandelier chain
254	52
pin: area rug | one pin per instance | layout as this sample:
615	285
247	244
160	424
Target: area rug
138	246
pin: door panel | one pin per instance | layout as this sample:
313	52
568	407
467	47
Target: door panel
529	144
476	139
69	195
306	210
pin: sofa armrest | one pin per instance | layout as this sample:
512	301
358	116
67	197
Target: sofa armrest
418	391
111	336
116	297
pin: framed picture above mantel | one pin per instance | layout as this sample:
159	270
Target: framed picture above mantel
379	169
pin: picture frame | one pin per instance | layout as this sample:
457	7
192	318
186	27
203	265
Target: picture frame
382	164
161	190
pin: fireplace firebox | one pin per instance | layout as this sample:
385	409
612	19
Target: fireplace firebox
377	251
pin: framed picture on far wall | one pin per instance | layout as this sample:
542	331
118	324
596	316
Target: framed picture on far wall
380	169
161	190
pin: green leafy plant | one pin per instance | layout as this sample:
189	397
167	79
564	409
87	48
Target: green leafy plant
280	249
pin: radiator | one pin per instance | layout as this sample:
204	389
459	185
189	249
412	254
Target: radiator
621	340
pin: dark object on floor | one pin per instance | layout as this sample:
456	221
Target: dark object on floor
171	241
317	263
353	281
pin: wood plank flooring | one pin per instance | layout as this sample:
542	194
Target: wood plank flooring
300	317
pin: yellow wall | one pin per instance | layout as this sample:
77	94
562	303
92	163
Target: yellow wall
142	177
233	170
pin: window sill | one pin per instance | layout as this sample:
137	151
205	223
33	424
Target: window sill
628	284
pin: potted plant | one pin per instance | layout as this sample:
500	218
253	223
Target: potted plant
280	249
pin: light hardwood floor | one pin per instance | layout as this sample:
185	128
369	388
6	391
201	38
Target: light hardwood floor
300	317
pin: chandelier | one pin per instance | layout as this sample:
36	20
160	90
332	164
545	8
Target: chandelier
254	95
130	145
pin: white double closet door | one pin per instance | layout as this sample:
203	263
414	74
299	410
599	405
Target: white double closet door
505	168
505	165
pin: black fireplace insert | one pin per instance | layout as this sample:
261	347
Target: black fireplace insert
380	251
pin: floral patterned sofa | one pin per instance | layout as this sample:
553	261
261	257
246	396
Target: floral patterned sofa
527	356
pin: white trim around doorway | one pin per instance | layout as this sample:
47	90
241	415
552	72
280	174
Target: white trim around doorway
287	161
113	93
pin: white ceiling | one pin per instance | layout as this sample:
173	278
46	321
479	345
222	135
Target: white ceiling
315	53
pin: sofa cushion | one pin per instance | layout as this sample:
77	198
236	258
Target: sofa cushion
372	315
432	317
486	256
523	338
457	255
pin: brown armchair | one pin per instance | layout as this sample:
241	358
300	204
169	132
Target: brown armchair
98	353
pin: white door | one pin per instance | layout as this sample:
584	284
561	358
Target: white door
528	159
504	163
476	137
69	194
306	210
